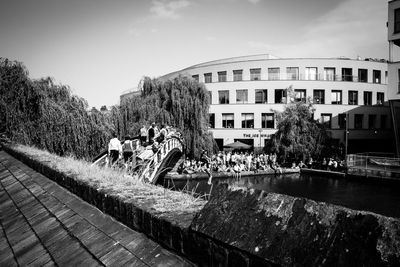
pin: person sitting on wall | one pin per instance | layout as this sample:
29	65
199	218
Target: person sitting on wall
302	165
237	171
114	149
205	159
330	164
310	163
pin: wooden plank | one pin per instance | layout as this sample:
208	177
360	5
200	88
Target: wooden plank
116	253
8	260
32	254
100	245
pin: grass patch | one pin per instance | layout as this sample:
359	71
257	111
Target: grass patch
156	198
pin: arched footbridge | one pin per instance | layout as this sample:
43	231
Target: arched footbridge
154	165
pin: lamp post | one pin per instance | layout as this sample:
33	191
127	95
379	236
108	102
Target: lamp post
346	136
260	131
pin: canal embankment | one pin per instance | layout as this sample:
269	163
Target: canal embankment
237	226
223	175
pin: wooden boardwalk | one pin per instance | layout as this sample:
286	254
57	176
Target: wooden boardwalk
42	224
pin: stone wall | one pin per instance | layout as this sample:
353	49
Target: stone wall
296	231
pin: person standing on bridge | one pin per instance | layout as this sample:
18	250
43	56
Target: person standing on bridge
151	133
114	148
143	135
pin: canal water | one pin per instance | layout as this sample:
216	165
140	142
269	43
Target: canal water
379	197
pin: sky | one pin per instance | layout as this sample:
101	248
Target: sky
101	48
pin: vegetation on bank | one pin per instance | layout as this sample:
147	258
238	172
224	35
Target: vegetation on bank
49	116
299	136
163	200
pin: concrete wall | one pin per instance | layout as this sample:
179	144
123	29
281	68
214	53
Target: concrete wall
293	231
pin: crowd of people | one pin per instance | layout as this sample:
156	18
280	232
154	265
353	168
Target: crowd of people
239	161
140	147
235	162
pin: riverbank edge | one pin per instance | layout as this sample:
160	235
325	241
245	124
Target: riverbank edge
199	248
222	175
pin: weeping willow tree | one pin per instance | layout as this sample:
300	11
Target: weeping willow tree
298	135
181	102
49	116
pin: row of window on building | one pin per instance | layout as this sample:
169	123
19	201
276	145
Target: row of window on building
292	73
261	96
268	121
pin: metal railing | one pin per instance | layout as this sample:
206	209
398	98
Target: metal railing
373	164
283	76
149	173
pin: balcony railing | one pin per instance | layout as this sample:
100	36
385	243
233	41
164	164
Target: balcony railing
307	77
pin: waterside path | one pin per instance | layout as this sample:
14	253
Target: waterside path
43	224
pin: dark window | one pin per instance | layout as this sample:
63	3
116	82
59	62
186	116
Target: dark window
336	97
329	74
363	75
292	73
398	79
227	120
196	77
222	76
237	75
376	74
397	20
358	121
241	96
347	74
280	96
211	120
383	121
326	119
247	120
380	98
371	121
386	77
210	97
342	120
267	120
255	74
300	95
273	73
208	77
223	97
261	96
353	98
319	96
367	98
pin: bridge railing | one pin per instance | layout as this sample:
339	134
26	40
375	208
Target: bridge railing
150	171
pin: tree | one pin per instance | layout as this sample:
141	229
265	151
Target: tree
298	135
49	116
181	102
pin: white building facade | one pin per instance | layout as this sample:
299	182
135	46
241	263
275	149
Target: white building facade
247	92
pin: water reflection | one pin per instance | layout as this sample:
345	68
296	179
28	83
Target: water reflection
382	198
